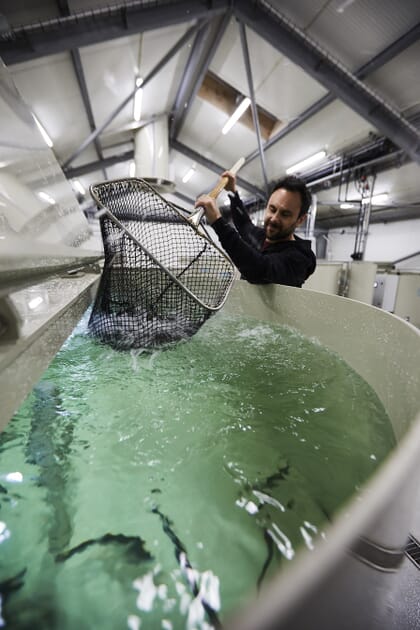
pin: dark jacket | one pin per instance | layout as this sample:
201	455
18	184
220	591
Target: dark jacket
284	262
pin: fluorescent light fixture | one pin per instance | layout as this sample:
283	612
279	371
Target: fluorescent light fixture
379	199
342	6
35	302
300	166
78	186
236	115
188	175
46	197
346	206
132	169
44	134
138	98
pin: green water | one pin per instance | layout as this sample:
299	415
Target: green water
144	478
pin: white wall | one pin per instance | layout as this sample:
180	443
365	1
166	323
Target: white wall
386	242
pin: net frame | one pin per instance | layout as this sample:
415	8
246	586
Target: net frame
185	288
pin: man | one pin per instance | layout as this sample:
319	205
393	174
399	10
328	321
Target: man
273	254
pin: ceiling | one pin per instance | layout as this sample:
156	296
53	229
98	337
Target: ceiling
338	76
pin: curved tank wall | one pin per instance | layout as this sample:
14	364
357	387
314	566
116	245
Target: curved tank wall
347	581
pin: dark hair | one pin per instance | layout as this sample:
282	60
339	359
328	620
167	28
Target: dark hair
295	184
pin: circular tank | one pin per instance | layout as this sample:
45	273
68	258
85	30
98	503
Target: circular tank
348	580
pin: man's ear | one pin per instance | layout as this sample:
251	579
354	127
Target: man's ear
301	219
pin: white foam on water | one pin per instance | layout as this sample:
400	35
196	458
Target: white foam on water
265	498
282	541
133	622
12	477
147	592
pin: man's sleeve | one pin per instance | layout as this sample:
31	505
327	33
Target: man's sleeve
241	220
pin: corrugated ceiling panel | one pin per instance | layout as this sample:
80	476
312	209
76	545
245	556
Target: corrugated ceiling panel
398	81
49	85
355	31
281	87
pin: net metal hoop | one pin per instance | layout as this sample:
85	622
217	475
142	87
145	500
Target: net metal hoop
163	274
199	230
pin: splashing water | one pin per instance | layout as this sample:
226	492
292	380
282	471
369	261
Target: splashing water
162	490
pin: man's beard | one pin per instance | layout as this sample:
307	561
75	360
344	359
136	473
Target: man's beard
278	234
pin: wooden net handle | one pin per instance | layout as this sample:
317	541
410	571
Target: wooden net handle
224	180
196	217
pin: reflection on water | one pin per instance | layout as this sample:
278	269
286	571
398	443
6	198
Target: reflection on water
161	490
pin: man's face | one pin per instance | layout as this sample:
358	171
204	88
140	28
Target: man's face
281	216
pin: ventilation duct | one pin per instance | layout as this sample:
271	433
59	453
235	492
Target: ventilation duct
151	155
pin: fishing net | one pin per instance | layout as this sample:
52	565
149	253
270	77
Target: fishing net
163	276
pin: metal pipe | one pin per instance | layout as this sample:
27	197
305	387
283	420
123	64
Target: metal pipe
245	53
406	257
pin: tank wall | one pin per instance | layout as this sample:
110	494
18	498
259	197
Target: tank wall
342	584
47	314
326	278
43	231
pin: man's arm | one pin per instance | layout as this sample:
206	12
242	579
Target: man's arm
250	233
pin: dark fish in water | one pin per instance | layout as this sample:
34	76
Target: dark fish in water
134	547
182	558
12	584
125	331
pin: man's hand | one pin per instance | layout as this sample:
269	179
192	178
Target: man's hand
230	186
211	210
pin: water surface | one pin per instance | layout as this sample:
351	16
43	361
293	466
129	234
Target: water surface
160	490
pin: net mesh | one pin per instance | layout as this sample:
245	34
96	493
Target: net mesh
162	278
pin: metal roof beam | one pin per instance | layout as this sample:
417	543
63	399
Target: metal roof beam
202	52
92	26
78	171
285	37
91	167
80	76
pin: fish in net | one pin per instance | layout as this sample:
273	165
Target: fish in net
163	275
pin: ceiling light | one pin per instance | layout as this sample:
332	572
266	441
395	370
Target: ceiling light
35	302
236	115
346	206
138	97
342	6
188	175
78	186
46	197
44	134
379	199
300	166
